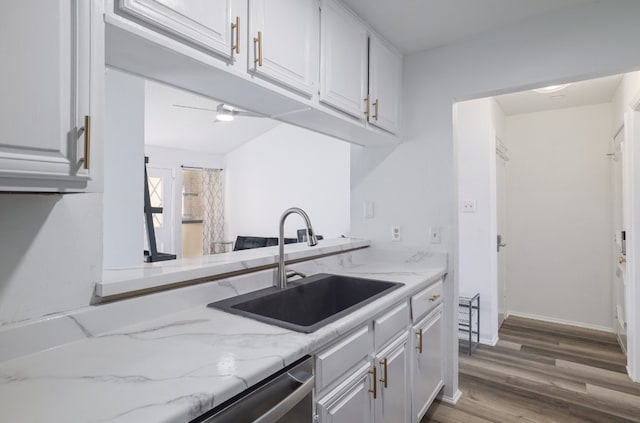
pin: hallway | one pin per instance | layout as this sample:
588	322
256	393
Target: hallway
543	372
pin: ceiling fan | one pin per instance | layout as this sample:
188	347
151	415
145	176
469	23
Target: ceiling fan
224	112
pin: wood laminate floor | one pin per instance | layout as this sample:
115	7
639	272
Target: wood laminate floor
543	372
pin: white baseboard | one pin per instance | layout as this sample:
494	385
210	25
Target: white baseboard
452	400
634	380
562	321
491	342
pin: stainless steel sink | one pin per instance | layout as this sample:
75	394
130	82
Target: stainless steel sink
309	303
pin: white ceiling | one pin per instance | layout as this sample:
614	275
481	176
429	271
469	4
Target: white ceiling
191	129
583	93
414	25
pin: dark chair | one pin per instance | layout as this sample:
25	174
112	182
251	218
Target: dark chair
274	241
249	242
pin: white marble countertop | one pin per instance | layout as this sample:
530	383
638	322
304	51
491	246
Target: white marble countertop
153	275
174	368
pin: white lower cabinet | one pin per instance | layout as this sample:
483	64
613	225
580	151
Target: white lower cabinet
351	401
388	370
391	404
427	363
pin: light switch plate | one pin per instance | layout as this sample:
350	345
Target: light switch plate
368	209
434	234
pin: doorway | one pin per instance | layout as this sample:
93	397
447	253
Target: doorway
558	216
481	267
161	192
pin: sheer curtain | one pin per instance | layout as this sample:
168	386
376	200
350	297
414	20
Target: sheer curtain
212	211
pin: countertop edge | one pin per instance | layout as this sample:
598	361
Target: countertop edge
157	275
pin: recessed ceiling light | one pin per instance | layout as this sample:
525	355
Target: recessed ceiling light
551	89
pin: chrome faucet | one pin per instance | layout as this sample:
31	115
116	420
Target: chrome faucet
281	281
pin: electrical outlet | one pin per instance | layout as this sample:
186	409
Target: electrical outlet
434	234
396	233
468	206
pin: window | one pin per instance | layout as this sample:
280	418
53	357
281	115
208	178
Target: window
191	195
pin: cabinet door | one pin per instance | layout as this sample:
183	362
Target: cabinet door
427	370
392	405
349	402
284	35
207	24
385	72
343	60
44	94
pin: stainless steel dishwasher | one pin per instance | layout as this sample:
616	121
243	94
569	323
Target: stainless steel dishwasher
284	397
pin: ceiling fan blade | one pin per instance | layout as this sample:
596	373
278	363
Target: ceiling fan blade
246	113
223	108
194	107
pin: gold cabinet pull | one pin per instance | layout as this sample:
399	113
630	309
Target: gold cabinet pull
366	107
375	107
235	27
622	259
257	42
374	391
383	363
87	141
419	347
434	297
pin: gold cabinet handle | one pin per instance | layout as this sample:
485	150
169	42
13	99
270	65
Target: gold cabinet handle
257	43
375	107
622	259
366	107
87	141
434	297
374	391
383	363
235	27
419	347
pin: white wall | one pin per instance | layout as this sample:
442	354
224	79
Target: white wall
124	170
477	123
573	44
174	158
560	211
627	91
475	136
50	253
286	167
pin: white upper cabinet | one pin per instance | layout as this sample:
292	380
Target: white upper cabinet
343	60
45	95
385	84
283	42
211	25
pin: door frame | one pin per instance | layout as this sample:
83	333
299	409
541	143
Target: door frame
168	196
632	140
